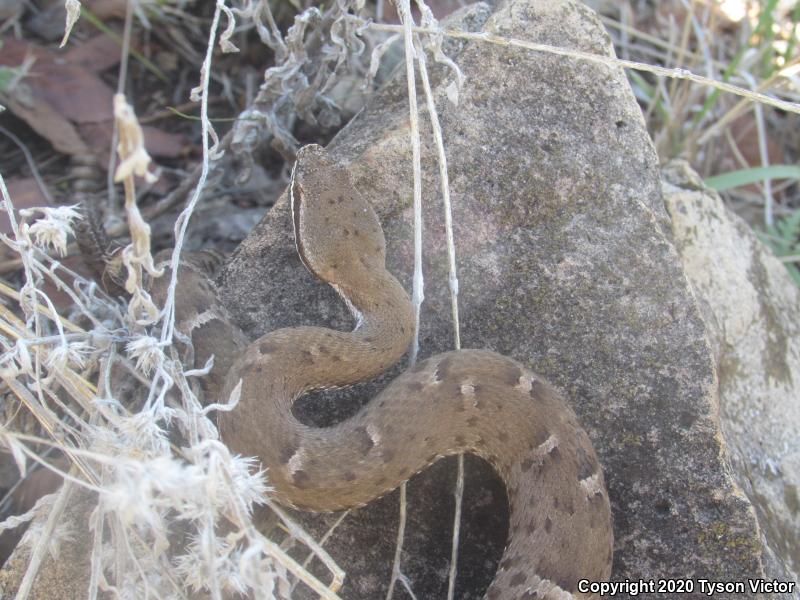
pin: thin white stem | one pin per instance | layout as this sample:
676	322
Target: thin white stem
183	219
418	295
676	73
453	284
40	548
125	53
31	165
401	532
445	184
763	151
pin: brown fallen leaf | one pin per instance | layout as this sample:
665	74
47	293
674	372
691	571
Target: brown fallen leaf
68	104
95	54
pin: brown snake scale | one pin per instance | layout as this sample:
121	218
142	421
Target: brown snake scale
464	401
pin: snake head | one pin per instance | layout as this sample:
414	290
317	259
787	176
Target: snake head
335	229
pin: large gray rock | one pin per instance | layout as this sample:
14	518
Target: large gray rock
751	306
566	263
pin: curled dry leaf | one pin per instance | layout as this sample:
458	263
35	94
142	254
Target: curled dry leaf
134	160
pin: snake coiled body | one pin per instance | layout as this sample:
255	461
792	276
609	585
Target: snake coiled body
464	401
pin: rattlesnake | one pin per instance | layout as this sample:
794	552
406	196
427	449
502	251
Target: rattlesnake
463	401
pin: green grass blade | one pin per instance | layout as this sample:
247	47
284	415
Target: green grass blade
742	177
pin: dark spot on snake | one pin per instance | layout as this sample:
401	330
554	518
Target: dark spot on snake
493	594
510	374
529	595
387	455
346	232
300	479
503	436
531	527
539	391
308	358
363	440
340	199
331	201
586	466
287	453
555	502
548	525
414	386
431	458
509	562
526	465
459	440
349	476
324	350
472	421
597	509
555	454
336	358
569	507
267	347
380	482
356	232
517	580
403	472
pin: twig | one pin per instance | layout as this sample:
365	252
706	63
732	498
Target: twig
121	78
677	73
398	549
763	151
31	165
40	548
183	219
453	285
418	295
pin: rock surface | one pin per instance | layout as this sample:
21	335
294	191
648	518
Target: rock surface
566	263
751	305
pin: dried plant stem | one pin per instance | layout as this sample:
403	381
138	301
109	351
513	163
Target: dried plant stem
47	312
40	547
183	219
676	73
31	165
418	295
125	53
299	533
453	285
398	549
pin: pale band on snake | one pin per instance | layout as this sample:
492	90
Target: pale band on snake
474	401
